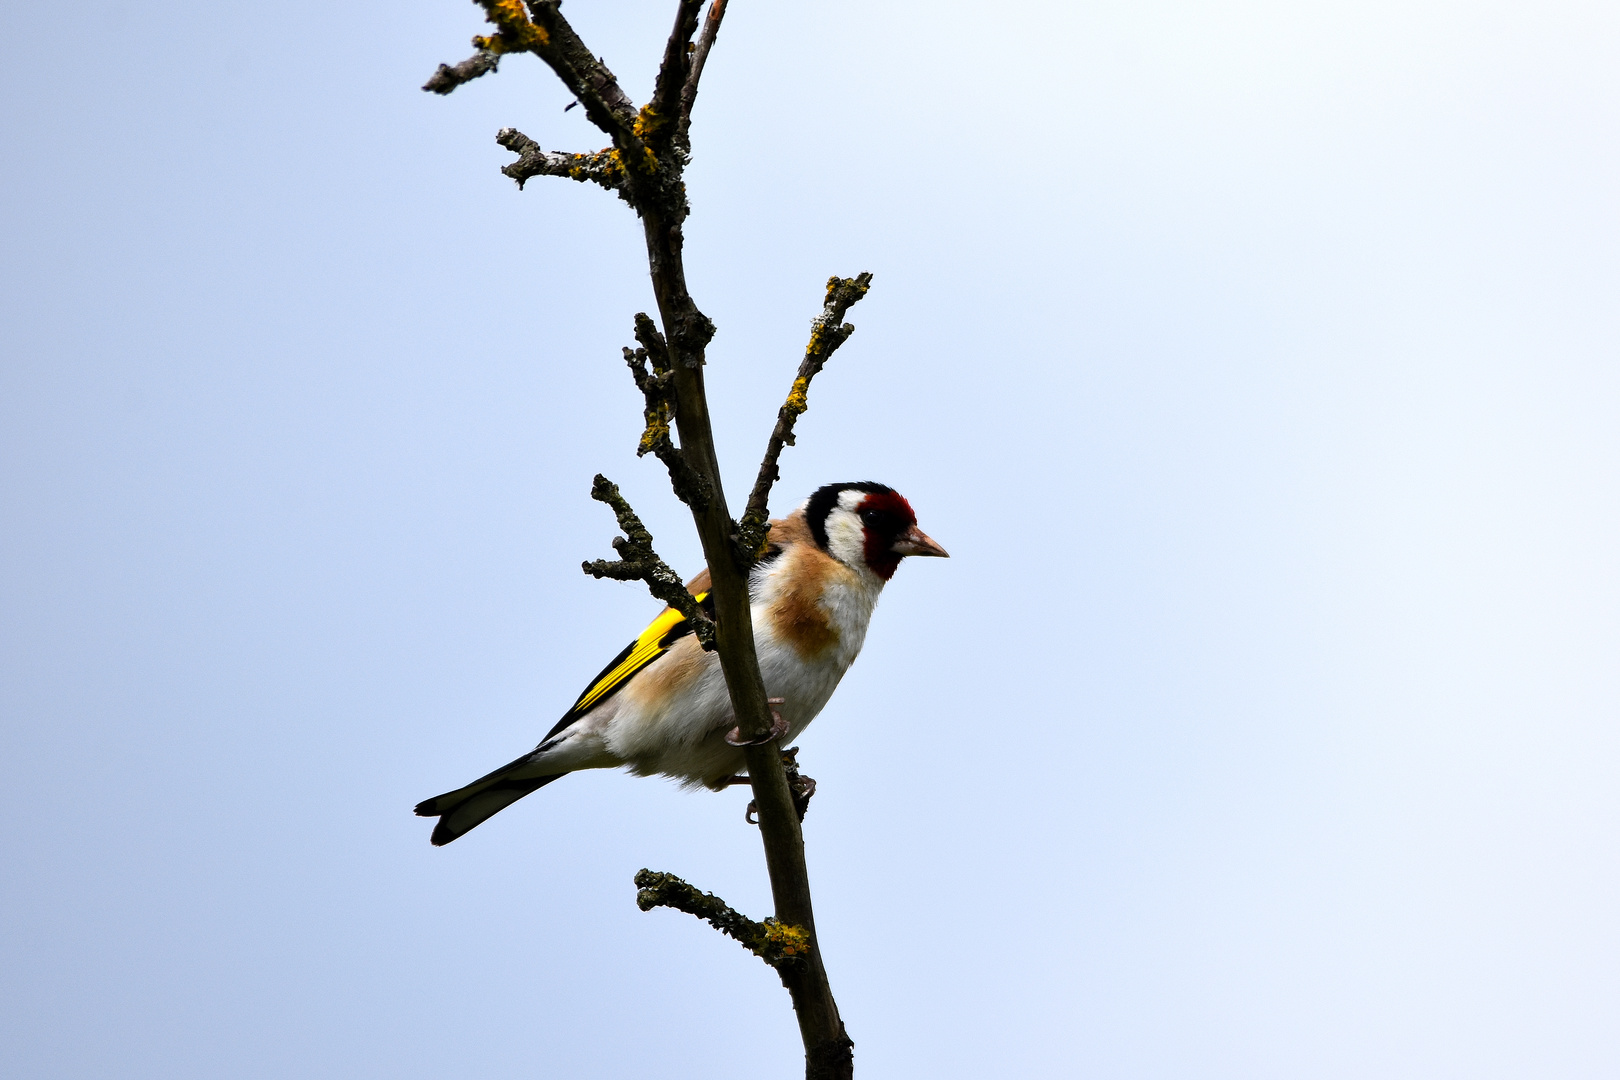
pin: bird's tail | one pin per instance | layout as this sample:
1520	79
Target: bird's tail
465	808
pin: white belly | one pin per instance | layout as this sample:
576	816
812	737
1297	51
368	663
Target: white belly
682	733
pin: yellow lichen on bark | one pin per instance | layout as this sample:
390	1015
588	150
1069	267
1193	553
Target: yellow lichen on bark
657	429
798	399
516	33
791	940
649	123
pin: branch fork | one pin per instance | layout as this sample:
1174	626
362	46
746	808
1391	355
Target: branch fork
600	167
827	332
638	561
658	390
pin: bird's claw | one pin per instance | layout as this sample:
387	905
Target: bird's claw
778	729
799	787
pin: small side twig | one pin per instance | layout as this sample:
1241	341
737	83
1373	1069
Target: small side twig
448	77
694	72
658	121
827	332
778	944
638	561
601	167
658	388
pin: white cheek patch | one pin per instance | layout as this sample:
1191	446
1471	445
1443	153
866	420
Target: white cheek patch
846	536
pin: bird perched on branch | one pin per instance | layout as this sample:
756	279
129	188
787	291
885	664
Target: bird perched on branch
661	707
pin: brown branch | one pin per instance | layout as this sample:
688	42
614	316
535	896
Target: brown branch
638	561
653	185
582	71
657	388
447	78
827	1046
601	167
827	332
802	787
700	56
542	30
778	944
659	120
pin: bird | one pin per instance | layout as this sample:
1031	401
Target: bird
661	707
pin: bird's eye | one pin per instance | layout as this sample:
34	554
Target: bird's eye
880	522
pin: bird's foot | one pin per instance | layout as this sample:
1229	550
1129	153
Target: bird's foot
799	787
778	728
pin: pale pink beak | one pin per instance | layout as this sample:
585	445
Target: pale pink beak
916	542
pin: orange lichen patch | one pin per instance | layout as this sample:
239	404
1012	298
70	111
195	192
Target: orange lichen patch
797	399
602	166
787	939
517	33
649	123
818	340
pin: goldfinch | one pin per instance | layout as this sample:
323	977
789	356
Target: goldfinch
661	706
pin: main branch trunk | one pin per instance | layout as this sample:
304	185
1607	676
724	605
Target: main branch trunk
828	1050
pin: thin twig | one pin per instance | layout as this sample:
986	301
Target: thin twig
658	389
700	56
601	167
827	332
778	944
657	122
447	78
543	31
638	561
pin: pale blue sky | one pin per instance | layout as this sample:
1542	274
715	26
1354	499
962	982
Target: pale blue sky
1257	363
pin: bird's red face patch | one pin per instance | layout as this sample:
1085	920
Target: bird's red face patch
885	516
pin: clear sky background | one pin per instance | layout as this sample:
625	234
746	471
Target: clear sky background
1258	363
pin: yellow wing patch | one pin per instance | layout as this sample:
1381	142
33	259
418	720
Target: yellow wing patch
649	646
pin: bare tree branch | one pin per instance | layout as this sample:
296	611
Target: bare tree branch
638	561
658	389
827	332
658	122
600	167
581	70
700	56
778	944
651	162
802	787
447	78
